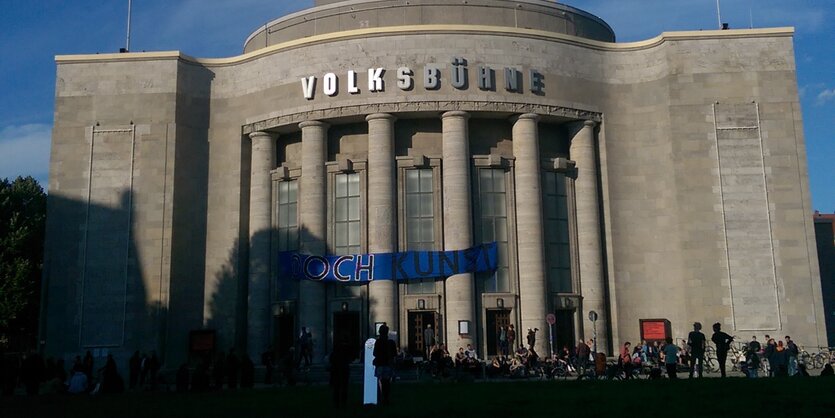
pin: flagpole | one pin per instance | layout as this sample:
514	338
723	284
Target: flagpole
719	14
127	42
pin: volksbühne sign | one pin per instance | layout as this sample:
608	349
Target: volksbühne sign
431	78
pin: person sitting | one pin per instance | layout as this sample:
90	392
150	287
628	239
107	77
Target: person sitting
517	367
471	353
495	367
827	370
460	357
78	382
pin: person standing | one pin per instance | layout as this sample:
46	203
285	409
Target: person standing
793	352
696	341
723	344
384	352
267	360
133	369
671	357
511	338
583	352
428	339
340	360
232	369
503	341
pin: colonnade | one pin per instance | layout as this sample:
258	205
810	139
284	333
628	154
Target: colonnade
457	212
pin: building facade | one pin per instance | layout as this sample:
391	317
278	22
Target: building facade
658	179
825	238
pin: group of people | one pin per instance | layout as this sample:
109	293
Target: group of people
50	376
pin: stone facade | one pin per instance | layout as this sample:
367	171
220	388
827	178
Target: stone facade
677	165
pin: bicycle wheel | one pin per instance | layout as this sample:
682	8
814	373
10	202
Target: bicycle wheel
711	365
819	360
805	358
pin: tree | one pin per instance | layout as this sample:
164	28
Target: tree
22	225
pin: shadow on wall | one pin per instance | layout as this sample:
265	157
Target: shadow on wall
95	293
227	306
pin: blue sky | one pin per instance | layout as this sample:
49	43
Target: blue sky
32	32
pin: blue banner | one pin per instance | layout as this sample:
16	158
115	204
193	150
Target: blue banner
403	266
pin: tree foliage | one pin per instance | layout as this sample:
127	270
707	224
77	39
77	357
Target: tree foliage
22	225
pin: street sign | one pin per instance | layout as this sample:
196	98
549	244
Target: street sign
592	316
551	319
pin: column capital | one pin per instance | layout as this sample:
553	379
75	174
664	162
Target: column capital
577	126
455	113
525	116
376	116
261	134
313	123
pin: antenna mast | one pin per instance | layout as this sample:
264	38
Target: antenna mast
127	41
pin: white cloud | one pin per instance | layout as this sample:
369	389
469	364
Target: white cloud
825	96
24	151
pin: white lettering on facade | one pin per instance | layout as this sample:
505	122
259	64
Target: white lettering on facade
330	84
308	84
352	82
375	79
404	78
456	75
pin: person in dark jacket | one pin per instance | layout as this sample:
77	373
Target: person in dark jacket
247	372
780	360
232	365
768	353
340	361
111	382
134	367
723	344
384	352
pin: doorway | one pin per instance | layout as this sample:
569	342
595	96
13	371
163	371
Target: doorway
564	329
418	320
496	319
284	332
346	327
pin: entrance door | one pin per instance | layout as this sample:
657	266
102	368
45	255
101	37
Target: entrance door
564	328
284	332
496	318
418	320
346	327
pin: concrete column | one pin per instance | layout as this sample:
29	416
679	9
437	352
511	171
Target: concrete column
382	225
313	230
592	282
458	224
531	245
260	209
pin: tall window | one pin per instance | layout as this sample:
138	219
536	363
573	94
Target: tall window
287	229
492	224
347	214
420	221
555	202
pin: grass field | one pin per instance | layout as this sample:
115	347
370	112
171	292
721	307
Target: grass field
733	397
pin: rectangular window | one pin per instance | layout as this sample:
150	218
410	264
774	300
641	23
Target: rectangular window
346	223
420	221
555	207
346	219
492	225
287	230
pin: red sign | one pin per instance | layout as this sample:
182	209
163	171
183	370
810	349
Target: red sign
551	318
655	329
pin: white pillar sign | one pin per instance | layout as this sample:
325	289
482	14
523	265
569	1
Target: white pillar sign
369	381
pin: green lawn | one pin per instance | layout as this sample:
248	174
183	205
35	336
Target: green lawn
733	397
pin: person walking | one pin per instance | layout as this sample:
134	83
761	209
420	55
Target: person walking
671	357
723	344
697	342
384	352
